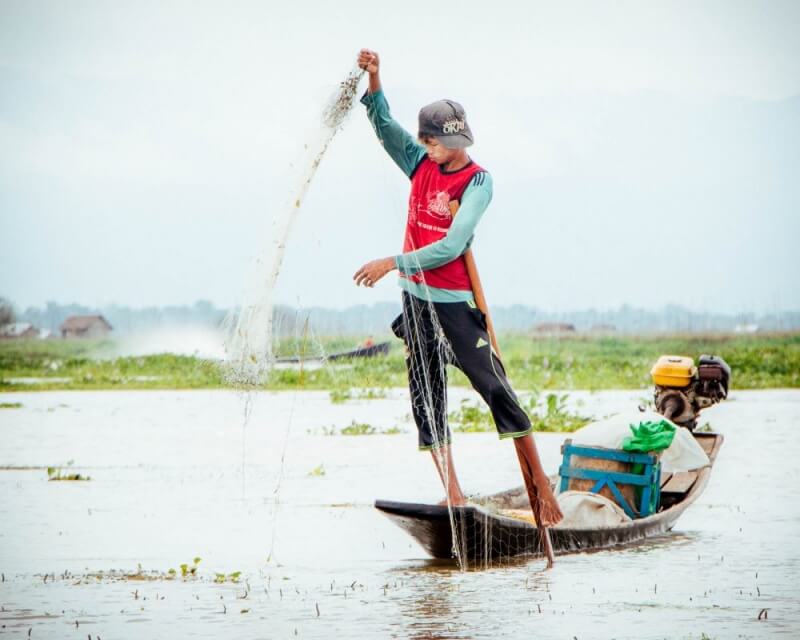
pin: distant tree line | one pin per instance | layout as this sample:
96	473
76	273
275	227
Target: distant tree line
376	318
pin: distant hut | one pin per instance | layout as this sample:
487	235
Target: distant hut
18	331
554	327
85	327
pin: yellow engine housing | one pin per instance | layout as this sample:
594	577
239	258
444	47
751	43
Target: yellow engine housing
673	371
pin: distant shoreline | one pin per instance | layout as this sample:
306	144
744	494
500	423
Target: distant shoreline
534	362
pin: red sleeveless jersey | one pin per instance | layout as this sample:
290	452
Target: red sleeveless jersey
429	219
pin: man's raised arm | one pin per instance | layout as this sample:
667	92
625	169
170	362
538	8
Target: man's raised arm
401	146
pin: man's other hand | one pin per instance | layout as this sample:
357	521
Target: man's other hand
373	271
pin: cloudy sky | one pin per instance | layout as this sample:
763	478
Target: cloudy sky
642	153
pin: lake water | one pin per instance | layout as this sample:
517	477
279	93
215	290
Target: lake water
178	475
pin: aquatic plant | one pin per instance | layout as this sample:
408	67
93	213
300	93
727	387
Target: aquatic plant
220	578
57	474
551	414
392	431
339	396
556	416
358	429
471	417
370	394
190	569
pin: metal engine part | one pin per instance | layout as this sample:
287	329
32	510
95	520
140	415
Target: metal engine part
708	387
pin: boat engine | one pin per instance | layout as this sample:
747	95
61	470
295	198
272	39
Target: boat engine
683	390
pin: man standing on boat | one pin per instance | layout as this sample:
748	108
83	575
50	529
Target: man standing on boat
438	301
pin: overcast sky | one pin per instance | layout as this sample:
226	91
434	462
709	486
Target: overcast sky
642	153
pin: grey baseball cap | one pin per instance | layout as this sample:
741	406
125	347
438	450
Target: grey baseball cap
446	121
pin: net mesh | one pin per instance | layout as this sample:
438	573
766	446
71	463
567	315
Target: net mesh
250	332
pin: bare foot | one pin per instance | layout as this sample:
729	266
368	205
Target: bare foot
552	520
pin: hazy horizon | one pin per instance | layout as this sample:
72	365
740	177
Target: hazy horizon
641	154
666	306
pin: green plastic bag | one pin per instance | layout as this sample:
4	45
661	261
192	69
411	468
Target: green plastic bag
650	436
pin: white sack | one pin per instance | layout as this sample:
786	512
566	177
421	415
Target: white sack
585	510
684	454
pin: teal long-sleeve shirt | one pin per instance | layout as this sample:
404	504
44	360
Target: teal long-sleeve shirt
407	153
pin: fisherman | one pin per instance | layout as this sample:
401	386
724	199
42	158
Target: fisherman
438	301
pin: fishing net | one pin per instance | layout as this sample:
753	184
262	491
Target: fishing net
250	332
260	330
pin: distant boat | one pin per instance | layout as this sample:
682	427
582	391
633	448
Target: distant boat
486	535
370	351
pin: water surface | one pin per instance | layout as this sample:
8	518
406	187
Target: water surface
175	475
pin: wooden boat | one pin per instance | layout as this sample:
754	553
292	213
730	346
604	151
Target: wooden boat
371	351
485	535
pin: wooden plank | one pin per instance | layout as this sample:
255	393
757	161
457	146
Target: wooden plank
607	454
665	477
594	475
680	482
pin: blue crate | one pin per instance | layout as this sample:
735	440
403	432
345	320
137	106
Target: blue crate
649	480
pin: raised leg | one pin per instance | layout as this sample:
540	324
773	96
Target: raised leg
544	505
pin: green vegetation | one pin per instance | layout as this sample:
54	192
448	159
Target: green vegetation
392	431
317	471
10	405
55	474
550	414
356	429
576	362
89	364
340	396
189	569
471	417
219	578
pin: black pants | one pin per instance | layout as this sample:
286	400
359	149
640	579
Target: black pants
441	333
